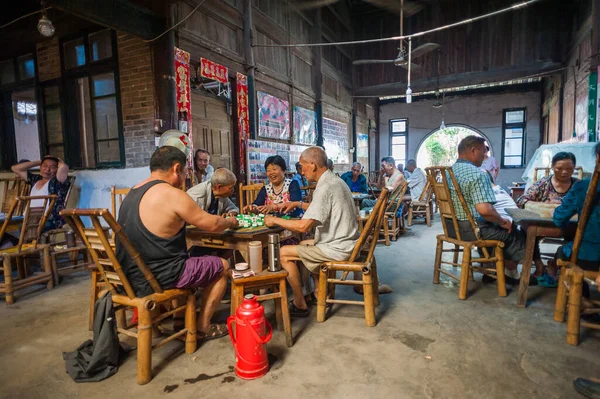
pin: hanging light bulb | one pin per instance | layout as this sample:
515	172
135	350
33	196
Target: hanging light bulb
45	26
408	95
408	89
442	125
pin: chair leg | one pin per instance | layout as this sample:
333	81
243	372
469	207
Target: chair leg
285	313
278	310
322	295
144	343
93	296
375	282
48	268
428	216
191	339
233	305
455	255
386	231
20	268
8	281
464	273
561	295
369	303
54	267
576	282
410	215
438	261
500	277
331	287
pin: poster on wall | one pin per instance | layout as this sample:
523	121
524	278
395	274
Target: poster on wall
335	141
273	117
259	151
182	95
243	117
362	150
305	126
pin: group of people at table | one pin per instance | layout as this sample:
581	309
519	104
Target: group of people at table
155	212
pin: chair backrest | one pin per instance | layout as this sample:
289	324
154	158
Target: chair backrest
12	188
585	212
34	218
427	192
546	171
116	198
395	198
371	228
247	194
102	248
309	191
440	177
373	177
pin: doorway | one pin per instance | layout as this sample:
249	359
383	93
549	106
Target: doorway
211	129
440	147
25	120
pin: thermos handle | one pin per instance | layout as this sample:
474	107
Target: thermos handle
264	340
230	321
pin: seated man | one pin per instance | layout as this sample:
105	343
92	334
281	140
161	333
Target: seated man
302	182
154	215
355	180
331	212
417	180
479	196
213	196
389	177
52	180
330	164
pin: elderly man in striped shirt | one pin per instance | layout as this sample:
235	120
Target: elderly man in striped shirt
479	196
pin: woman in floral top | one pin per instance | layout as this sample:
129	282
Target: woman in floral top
52	180
552	189
278	191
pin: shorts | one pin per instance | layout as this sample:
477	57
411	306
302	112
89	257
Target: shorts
588	265
200	272
312	257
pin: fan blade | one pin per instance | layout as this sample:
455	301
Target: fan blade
424	49
309	5
363	62
413	66
410	7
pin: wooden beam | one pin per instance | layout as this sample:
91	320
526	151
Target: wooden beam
457	80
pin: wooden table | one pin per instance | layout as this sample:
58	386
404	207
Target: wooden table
13	224
230	239
517	191
536	227
358	197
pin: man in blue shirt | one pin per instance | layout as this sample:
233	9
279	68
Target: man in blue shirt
302	182
355	180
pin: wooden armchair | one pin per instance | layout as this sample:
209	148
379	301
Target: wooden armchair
452	235
31	229
570	282
102	250
362	260
309	192
247	194
422	207
12	188
392	224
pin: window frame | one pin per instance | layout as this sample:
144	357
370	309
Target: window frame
400	134
89	70
519	125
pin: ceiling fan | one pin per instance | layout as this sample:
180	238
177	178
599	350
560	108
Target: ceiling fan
403	55
410	8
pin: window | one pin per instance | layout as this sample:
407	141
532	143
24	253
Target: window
74	53
101	43
26	67
398	139
513	137
53	122
17	70
7	72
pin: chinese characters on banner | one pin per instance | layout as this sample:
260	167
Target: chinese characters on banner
243	116
184	106
214	71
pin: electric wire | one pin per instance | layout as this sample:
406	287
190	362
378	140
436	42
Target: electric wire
24	16
177	24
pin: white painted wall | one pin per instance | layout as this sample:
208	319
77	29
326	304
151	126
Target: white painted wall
481	112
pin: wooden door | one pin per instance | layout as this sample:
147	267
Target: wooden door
211	127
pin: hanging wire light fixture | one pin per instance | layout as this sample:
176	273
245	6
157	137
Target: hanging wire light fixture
45	26
442	125
408	89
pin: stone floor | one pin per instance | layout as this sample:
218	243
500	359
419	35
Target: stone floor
427	344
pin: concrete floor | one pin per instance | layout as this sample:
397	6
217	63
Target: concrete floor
427	344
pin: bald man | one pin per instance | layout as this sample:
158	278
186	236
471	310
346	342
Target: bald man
333	215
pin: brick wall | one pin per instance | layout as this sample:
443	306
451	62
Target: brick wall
137	98
48	60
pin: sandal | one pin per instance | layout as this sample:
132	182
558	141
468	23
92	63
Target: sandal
546	280
214	331
297	312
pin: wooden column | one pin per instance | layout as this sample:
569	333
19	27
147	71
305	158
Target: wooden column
250	66
164	80
317	73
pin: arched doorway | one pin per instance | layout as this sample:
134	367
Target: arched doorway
439	147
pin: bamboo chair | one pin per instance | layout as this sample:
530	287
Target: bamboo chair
448	215
373	177
102	250
117	195
247	194
31	230
546	172
423	206
362	260
392	225
309	190
571	276
12	188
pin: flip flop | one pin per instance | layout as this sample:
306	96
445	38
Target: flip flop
547	281
214	331
297	312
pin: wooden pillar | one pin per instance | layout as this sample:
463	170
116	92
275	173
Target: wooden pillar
250	66
164	80
317	73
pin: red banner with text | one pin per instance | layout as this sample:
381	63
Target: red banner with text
214	71
184	105
243	116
